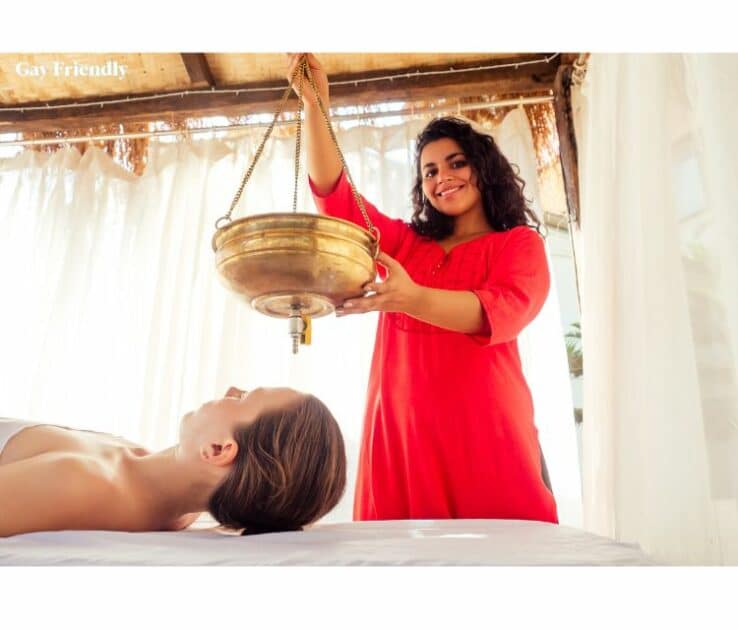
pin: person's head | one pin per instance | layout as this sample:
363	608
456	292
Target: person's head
283	453
459	170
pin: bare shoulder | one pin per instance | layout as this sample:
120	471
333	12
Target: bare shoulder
55	491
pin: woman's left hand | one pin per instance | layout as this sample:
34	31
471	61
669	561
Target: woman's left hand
395	295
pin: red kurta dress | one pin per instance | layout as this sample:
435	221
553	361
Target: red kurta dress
448	428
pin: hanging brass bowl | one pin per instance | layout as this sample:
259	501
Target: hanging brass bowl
296	266
287	264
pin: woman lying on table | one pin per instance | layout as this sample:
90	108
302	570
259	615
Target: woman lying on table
265	460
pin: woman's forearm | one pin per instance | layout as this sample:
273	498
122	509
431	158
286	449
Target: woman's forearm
460	311
324	165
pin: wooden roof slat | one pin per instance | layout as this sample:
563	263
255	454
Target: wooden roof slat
344	91
47	77
198	70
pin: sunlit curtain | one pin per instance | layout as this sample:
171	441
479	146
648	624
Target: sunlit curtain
659	284
542	348
114	318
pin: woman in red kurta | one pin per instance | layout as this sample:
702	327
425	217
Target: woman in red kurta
448	429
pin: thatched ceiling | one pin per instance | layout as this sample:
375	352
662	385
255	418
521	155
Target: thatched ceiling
29	81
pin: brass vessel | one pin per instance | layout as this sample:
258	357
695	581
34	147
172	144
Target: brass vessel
295	265
283	263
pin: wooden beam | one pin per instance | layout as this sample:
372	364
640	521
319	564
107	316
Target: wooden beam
567	139
568	59
198	70
522	80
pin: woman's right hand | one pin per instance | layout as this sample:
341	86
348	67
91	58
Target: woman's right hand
319	77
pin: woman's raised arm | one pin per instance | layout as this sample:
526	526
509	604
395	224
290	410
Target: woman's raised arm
324	165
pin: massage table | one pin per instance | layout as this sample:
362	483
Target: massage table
379	543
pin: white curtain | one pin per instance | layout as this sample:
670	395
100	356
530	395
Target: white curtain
659	283
542	347
114	319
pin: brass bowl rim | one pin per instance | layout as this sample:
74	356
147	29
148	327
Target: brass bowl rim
311	215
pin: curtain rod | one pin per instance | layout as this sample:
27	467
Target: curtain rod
529	100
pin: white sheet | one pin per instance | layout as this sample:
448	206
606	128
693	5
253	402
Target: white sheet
457	542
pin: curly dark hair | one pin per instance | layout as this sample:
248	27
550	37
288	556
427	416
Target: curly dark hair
290	470
501	188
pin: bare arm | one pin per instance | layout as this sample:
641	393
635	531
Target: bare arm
324	165
496	311
460	311
53	492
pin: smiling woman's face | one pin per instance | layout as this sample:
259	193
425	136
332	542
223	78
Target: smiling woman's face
217	420
449	182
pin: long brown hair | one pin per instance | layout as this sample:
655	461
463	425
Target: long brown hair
505	205
290	470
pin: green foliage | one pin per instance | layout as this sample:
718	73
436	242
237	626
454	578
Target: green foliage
574	350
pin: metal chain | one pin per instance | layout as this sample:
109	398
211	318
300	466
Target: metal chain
257	155
301	73
357	196
303	70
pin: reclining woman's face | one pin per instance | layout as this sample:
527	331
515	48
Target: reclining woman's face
215	421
